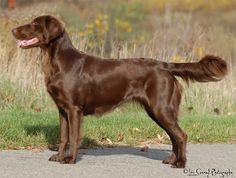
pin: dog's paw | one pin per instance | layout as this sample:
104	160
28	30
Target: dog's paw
179	164
56	158
68	160
170	160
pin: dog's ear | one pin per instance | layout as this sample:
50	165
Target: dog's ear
54	28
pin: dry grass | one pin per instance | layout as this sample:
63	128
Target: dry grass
174	37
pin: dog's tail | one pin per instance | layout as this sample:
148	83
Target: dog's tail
209	68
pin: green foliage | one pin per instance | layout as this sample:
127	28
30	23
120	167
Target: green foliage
172	31
24	129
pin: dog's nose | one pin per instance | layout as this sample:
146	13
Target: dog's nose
14	30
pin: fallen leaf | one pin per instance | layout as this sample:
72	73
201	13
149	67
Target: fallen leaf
136	130
144	149
120	137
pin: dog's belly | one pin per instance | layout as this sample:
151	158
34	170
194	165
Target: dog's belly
102	104
106	98
98	111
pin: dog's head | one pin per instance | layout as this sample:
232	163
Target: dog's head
39	32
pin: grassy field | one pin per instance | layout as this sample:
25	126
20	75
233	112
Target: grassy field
173	36
168	30
26	130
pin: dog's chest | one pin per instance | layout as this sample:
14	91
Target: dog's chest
50	68
53	79
57	91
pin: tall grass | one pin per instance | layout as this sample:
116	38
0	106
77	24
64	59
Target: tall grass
170	36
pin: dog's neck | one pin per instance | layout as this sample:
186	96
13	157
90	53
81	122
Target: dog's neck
50	64
60	43
57	56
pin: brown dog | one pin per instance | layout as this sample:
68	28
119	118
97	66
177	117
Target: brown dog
81	84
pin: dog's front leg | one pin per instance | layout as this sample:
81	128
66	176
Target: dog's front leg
75	119
64	135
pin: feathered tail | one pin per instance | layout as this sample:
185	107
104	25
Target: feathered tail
209	68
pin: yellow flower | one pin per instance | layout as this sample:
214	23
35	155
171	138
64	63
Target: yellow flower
123	25
81	34
89	26
177	59
129	29
97	23
200	52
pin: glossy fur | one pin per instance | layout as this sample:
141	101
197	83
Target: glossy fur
81	84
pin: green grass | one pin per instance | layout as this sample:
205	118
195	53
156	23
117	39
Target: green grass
26	117
20	129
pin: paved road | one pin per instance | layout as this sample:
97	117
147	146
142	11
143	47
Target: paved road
122	162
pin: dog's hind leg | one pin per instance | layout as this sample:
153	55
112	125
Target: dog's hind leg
172	158
162	106
165	120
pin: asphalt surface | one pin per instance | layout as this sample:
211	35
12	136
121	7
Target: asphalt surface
217	160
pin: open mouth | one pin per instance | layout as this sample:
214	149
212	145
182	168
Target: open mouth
25	43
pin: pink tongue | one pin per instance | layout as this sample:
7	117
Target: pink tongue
27	42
